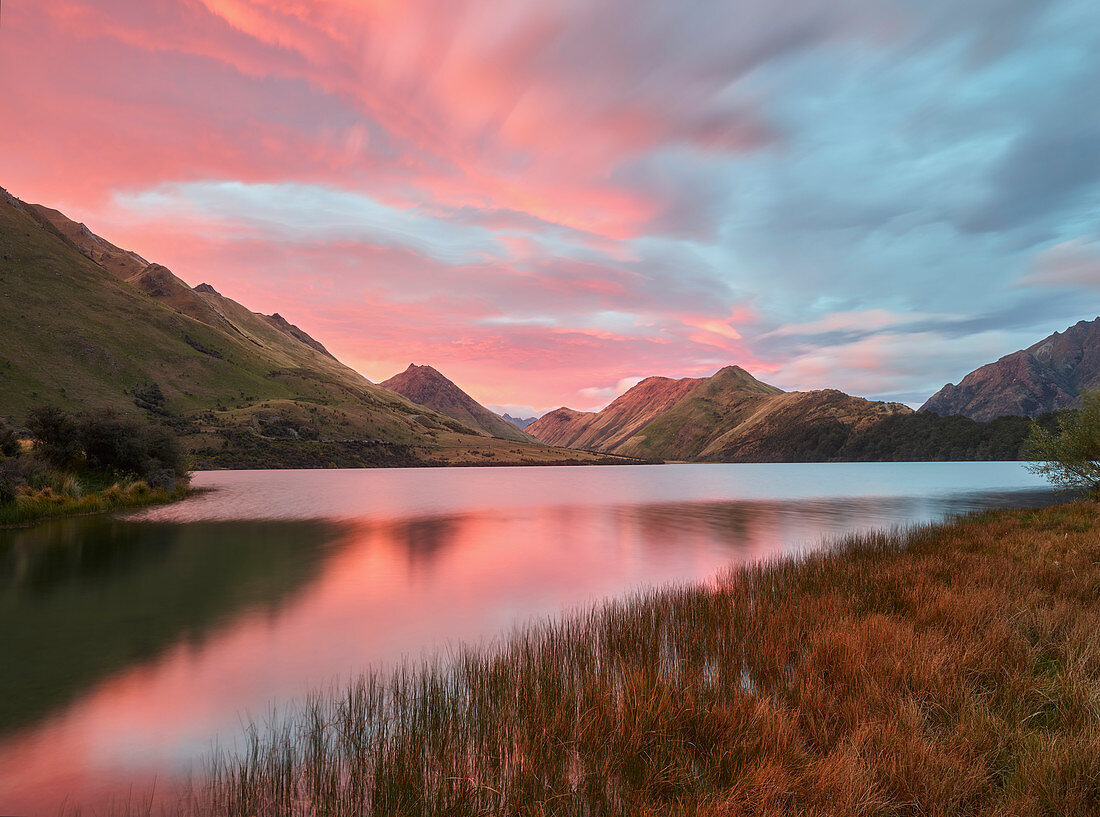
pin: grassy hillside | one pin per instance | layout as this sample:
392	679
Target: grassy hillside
728	417
238	386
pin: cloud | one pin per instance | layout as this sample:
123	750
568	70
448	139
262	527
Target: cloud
546	198
1073	263
600	396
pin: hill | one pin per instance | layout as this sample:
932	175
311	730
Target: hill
427	387
1046	377
728	417
88	325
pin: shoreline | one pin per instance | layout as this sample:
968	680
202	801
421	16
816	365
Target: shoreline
30	512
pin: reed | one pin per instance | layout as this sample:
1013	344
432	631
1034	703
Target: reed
72	499
952	669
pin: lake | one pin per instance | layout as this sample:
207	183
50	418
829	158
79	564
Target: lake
130	644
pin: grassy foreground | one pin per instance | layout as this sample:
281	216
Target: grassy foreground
37	505
950	670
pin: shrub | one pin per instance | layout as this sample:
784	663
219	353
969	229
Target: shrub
57	435
150	397
9	442
164	479
1070	457
8	489
104	441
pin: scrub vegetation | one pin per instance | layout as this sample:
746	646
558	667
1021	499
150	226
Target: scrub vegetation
950	669
1070	456
63	464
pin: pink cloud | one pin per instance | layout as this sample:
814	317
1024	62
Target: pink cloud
474	112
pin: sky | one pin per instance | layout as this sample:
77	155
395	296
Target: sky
549	201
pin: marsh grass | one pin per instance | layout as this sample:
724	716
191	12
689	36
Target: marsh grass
72	498
947	670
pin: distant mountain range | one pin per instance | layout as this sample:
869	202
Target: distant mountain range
427	387
730	416
1045	377
87	325
519	422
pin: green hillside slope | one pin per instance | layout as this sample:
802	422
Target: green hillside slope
243	389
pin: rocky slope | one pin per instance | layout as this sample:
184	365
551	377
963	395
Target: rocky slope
728	417
1048	376
425	386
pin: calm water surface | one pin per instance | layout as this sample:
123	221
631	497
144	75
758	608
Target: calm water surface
128	645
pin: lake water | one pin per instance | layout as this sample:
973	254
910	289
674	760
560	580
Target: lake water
129	644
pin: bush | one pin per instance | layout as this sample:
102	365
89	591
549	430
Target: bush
113	443
105	442
56	433
150	397
9	442
8	489
1070	458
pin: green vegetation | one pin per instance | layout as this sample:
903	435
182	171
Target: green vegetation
86	463
930	437
1070	457
947	670
240	389
916	437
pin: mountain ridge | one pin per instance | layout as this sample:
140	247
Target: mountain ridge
729	416
519	422
427	386
1047	376
241	389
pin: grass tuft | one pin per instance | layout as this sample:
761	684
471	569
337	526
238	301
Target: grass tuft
71	499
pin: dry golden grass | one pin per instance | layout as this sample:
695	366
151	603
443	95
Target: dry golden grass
952	670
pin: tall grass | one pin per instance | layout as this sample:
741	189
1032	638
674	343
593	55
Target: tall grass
948	670
70	498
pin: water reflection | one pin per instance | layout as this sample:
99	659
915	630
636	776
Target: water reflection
82	598
137	642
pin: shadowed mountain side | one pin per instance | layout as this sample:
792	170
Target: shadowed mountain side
1048	376
427	387
729	417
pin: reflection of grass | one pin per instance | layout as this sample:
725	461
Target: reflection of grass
35	505
950	670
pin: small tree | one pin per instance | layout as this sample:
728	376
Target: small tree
56	434
9	442
1070	457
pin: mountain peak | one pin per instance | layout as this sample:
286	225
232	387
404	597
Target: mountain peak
429	387
1047	376
728	416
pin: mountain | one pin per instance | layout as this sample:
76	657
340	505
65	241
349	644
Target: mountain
728	417
87	325
1048	376
427	387
519	422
